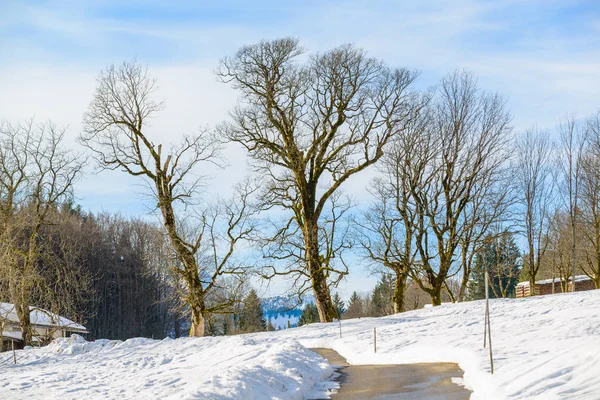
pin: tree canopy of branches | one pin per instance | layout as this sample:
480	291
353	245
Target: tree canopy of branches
444	186
115	131
36	175
590	199
570	161
386	230
535	183
308	128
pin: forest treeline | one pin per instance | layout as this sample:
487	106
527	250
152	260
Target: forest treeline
457	191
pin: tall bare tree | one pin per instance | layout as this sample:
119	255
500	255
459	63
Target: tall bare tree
535	184
115	131
573	142
36	174
308	128
387	231
590	199
457	176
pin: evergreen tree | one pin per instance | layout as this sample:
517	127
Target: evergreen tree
251	315
382	298
501	256
309	315
339	305
355	307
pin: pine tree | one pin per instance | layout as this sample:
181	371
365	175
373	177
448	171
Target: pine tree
382	298
501	256
355	307
251	315
339	305
309	315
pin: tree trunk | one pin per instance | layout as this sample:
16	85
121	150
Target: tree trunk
573	252
197	328
398	296
531	285
24	316
463	288
323	301
532	272
436	294
327	311
195	297
466	267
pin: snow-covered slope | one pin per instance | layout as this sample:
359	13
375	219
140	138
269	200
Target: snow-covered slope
236	367
547	347
544	348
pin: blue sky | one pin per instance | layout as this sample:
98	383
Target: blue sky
544	56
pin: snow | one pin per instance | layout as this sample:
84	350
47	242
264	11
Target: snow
16	335
235	367
40	317
545	347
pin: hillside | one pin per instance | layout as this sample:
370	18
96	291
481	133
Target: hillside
544	348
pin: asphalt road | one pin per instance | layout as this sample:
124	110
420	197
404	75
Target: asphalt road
402	381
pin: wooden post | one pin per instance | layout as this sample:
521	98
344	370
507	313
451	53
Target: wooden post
13	350
375	339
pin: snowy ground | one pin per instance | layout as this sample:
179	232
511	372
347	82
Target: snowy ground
544	348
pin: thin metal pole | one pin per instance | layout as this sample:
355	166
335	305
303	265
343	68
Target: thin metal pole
485	315
488	327
490	340
375	339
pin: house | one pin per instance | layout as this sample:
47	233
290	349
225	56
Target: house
45	325
550	286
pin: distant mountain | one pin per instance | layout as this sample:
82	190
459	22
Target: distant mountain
281	309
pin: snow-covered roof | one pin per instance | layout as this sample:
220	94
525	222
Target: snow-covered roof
40	317
578	278
16	335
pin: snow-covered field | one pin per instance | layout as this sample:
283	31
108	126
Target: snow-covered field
544	348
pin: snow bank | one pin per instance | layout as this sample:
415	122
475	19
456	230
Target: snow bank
238	367
545	347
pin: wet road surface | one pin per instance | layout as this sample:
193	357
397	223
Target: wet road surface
401	381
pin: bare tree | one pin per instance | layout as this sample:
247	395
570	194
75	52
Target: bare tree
386	242
309	128
535	184
573	141
457	177
36	175
115	131
590	199
557	259
387	231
